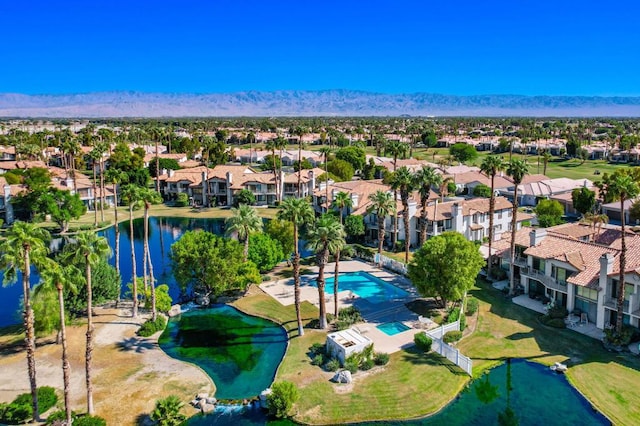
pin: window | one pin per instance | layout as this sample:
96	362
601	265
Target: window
500	214
587	293
539	264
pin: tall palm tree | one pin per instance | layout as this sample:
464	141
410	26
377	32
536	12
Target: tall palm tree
517	169
325	237
88	248
272	146
341	201
403	182
325	150
300	131
490	166
623	187
116	177
382	205
280	143
299	212
23	246
130	195
62	278
425	178
596	221
149	197
244	221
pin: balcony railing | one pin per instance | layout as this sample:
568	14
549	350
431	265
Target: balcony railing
547	280
612	303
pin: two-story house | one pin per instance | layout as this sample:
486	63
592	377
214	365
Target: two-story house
577	267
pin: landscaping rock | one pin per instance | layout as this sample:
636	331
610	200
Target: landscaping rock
203	300
202	396
211	400
207	408
195	402
174	311
343	376
263	398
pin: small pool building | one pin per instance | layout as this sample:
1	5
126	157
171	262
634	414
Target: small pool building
343	343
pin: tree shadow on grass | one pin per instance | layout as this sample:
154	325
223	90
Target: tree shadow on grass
417	357
136	344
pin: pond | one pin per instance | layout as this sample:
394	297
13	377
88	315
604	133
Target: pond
163	231
536	396
241	353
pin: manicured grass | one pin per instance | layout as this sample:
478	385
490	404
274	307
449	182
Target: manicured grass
507	330
412	384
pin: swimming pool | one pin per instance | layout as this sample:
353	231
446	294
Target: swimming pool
393	328
366	286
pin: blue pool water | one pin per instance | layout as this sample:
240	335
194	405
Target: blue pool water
392	328
366	286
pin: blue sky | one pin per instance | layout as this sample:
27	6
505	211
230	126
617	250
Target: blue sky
561	47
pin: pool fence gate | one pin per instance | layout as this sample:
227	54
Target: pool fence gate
452	354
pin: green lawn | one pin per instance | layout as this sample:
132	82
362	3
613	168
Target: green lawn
413	384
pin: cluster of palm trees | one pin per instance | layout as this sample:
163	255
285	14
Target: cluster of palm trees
25	247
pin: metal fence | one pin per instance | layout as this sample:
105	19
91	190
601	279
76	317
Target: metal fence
449	352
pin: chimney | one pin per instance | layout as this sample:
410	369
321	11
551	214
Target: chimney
456	210
312	180
536	236
354	200
171	172
606	267
163	172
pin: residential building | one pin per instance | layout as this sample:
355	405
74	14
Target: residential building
577	266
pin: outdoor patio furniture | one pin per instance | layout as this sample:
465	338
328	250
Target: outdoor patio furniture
584	319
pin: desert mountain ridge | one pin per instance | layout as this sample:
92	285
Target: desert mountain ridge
309	103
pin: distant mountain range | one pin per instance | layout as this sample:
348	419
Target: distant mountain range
310	103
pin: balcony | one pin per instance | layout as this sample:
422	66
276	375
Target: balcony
612	304
546	280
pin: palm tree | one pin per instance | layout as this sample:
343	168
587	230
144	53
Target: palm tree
396	149
490	166
382	205
95	155
116	177
546	156
88	248
280	143
132	198
272	146
149	197
325	150
623	187
425	178
62	278
300	131
299	212
325	237
341	201
596	221
23	246
517	169
244	221
403	182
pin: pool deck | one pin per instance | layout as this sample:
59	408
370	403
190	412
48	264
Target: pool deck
373	313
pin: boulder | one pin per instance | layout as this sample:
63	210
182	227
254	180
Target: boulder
211	400
202	395
207	408
195	402
203	300
343	376
263	398
174	311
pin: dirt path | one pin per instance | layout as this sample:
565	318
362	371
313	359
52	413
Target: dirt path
130	372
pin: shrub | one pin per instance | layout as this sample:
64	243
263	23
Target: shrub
182	200
167	412
557	311
453	315
452	336
347	317
15	413
60	416
422	341
282	397
463	322
351	365
472	306
332	365
622	339
163	300
318	360
90	421
150	327
381	358
317	348
367	364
